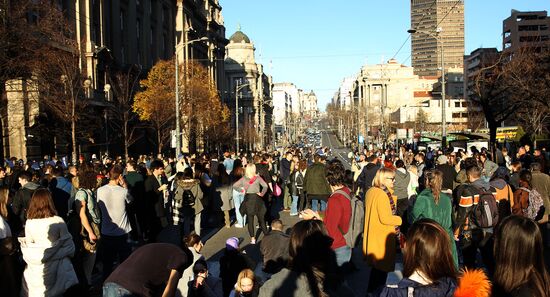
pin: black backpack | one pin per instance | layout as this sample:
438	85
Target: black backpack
184	196
485	212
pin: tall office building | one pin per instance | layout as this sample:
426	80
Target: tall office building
530	29
426	17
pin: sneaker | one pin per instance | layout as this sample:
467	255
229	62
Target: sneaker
238	226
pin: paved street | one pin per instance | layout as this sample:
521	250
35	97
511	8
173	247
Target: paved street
328	139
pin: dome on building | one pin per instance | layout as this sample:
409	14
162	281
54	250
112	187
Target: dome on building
239	37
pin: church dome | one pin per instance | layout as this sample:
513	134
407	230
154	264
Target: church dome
239	37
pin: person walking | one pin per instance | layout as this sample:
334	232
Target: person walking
381	228
254	188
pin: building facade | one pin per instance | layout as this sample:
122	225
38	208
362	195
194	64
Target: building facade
526	30
440	28
116	35
294	120
251	89
308	106
381	89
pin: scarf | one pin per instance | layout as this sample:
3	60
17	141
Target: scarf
393	208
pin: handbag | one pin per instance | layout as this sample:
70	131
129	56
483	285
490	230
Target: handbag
277	190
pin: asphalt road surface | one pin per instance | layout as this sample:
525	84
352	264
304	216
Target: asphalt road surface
328	139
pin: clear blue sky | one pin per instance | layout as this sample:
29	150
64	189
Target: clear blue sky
315	44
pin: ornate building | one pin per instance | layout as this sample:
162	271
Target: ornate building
115	35
251	89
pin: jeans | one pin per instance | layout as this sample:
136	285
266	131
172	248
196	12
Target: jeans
237	200
315	202
343	255
114	247
114	290
294	205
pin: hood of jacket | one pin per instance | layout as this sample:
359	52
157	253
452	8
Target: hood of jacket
31	186
188	184
498	183
481	184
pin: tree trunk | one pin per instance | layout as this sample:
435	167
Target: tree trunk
493	125
73	131
159	141
125	135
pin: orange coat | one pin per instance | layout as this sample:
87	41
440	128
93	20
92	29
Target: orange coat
379	238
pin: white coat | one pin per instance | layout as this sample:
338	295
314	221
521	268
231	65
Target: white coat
47	248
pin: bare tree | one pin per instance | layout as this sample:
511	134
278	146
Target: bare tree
124	85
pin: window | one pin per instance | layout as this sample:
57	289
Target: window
465	115
456	115
457	104
464	104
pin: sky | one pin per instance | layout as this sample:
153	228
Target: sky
315	44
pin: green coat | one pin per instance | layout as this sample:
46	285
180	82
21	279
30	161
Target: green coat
425	207
315	181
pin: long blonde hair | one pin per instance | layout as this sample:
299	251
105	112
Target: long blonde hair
245	273
381	175
250	170
4	195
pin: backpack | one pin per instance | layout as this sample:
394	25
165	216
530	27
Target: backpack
535	209
356	220
184	196
485	210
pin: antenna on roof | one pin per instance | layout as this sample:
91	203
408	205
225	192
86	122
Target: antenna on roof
238	26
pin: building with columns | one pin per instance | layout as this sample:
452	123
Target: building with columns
251	89
115	35
381	89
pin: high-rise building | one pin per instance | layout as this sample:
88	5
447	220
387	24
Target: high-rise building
526	29
439	26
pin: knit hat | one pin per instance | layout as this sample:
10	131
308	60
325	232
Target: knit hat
442	159
232	243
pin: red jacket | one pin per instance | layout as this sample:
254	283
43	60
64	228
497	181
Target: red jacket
337	216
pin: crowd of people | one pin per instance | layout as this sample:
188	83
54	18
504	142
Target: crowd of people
137	224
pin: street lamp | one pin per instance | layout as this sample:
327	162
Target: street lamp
238	87
178	128
443	101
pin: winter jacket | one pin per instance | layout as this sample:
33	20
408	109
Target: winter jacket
541	183
443	287
187	274
364	181
296	183
47	248
178	210
285	169
425	207
274	248
22	199
489	167
222	195
315	181
379	236
465	202
449	175
402	179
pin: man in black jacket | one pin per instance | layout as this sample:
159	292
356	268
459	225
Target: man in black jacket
285	180
155	185
23	196
274	248
364	181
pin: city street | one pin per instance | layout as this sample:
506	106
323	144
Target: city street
328	139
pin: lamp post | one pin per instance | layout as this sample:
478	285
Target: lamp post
238	87
178	128
443	101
